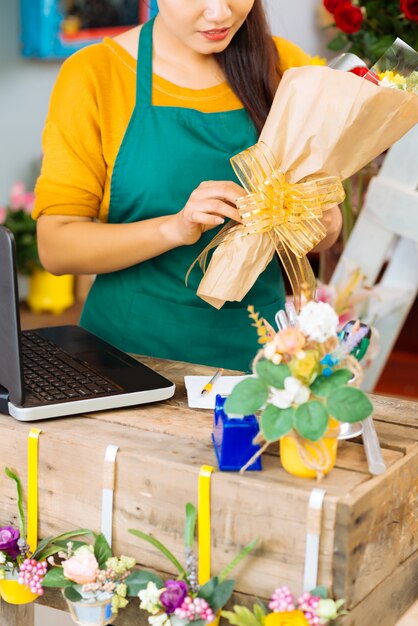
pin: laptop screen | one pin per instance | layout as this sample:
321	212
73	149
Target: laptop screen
11	374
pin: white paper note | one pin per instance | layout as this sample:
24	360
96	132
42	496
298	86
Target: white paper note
194	385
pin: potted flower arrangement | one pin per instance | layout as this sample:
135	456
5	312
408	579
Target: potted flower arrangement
44	291
312	608
368	27
93	581
303	386
183	601
22	571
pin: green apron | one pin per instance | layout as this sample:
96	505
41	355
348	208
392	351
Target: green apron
147	309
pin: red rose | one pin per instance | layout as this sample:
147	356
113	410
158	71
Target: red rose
410	9
366	73
332	5
348	18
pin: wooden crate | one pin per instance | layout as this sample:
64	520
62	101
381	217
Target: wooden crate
369	536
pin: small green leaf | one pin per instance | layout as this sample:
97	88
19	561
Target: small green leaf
22	521
337	43
236	560
208	589
222	593
157	544
311	420
323	385
190	525
275	423
102	550
320	592
348	404
138	580
273	375
60	541
247	397
55	578
72	594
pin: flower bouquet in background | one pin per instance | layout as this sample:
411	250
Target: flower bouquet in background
312	608
17	218
93	581
22	571
304	385
183	601
324	125
367	27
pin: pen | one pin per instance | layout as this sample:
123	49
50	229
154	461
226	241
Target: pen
212	381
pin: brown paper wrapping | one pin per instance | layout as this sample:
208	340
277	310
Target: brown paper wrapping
322	122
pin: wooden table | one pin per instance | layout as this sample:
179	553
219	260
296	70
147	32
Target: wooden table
369	528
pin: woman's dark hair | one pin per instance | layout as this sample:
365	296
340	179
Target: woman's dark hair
250	65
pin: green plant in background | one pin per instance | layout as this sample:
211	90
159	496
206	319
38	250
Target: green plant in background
368	27
17	218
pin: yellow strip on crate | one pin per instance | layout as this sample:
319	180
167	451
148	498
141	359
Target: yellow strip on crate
203	527
33	439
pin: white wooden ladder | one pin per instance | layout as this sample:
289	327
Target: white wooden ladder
385	238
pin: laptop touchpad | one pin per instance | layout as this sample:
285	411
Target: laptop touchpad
102	359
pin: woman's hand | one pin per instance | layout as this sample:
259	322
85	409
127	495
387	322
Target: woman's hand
208	206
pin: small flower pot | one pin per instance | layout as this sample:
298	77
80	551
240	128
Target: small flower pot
49	293
87	613
13	592
309	459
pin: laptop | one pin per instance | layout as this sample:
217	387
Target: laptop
63	370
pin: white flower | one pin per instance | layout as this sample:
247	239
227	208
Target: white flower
318	321
2	558
293	393
160	620
150	598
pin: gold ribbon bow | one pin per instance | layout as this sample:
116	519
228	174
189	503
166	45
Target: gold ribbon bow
289	213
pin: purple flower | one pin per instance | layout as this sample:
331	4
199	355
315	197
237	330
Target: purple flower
173	595
8	541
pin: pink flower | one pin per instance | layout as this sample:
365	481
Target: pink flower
81	568
20	198
290	341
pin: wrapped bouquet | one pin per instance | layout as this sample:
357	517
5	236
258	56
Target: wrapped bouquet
324	125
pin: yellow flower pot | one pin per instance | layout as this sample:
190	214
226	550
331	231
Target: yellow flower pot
310	459
49	293
14	593
286	618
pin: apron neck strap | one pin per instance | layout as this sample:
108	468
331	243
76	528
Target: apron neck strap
144	65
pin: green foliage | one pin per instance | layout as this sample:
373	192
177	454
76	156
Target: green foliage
190	525
217	592
273	375
72	594
22	521
311	420
23	228
102	550
55	578
242	616
383	22
247	397
323	385
237	559
52	545
275	423
348	404
157	544
138	580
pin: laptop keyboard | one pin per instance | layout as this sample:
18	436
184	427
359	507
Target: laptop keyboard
52	375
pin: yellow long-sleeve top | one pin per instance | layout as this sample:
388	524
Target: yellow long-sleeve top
90	109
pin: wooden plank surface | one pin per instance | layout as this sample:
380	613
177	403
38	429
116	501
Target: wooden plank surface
162	447
12	615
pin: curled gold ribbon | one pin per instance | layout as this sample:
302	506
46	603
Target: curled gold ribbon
290	213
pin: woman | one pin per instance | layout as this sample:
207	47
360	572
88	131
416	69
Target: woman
136	177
